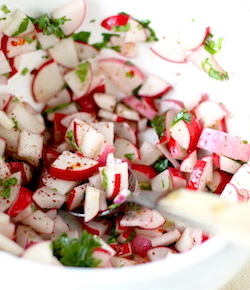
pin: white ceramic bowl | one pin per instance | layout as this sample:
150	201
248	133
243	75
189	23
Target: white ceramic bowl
212	264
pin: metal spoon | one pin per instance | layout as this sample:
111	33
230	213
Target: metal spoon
203	210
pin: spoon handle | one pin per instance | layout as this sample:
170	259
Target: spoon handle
209	212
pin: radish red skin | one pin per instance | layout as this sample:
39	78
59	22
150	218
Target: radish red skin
196	175
116	20
141	245
225	144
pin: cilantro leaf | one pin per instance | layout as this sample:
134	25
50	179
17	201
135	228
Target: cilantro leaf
105	41
22	27
211	46
5	9
50	26
158	123
82	36
184	116
76	252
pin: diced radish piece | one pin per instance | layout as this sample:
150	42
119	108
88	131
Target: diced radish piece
127	49
124	130
72	166
47	82
105	101
102	153
177	177
25	235
197	179
79	80
193	35
140	106
85	51
161	182
18	17
116	20
125	112
186	133
26	148
149	154
11	137
97	228
158	253
74	12
25	120
226	164
106	129
69	59
169	49
190	238
5	100
205	61
47	41
4	64
163	149
136	32
40	222
83	116
109	116
165	104
176	150
48	198
141	245
154	87
112	181
210	113
9	246
6	122
125	148
41	252
123	74
241	180
225	144
208	168
143	172
6	20
230	193
166	239
103	256
17	46
75	197
220	180
118	262
60	185
92	203
188	162
24	213
2	146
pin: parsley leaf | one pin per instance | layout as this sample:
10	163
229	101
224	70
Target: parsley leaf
22	27
184	116
158	123
82	71
50	26
76	252
7	186
82	36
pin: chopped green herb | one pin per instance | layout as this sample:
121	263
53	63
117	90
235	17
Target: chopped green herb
158	123
161	165
82	36
122	28
92	20
129	156
82	71
70	135
105	41
50	26
5	9
59	107
220	76
130	74
145	186
136	90
76	252
152	34
104	179
15	100
211	46
114	205
4	18
24	71
7	186
45	56
184	116
130	238
15	122
29	39
22	27
112	235
245	142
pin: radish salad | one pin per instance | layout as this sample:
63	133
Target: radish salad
76	151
